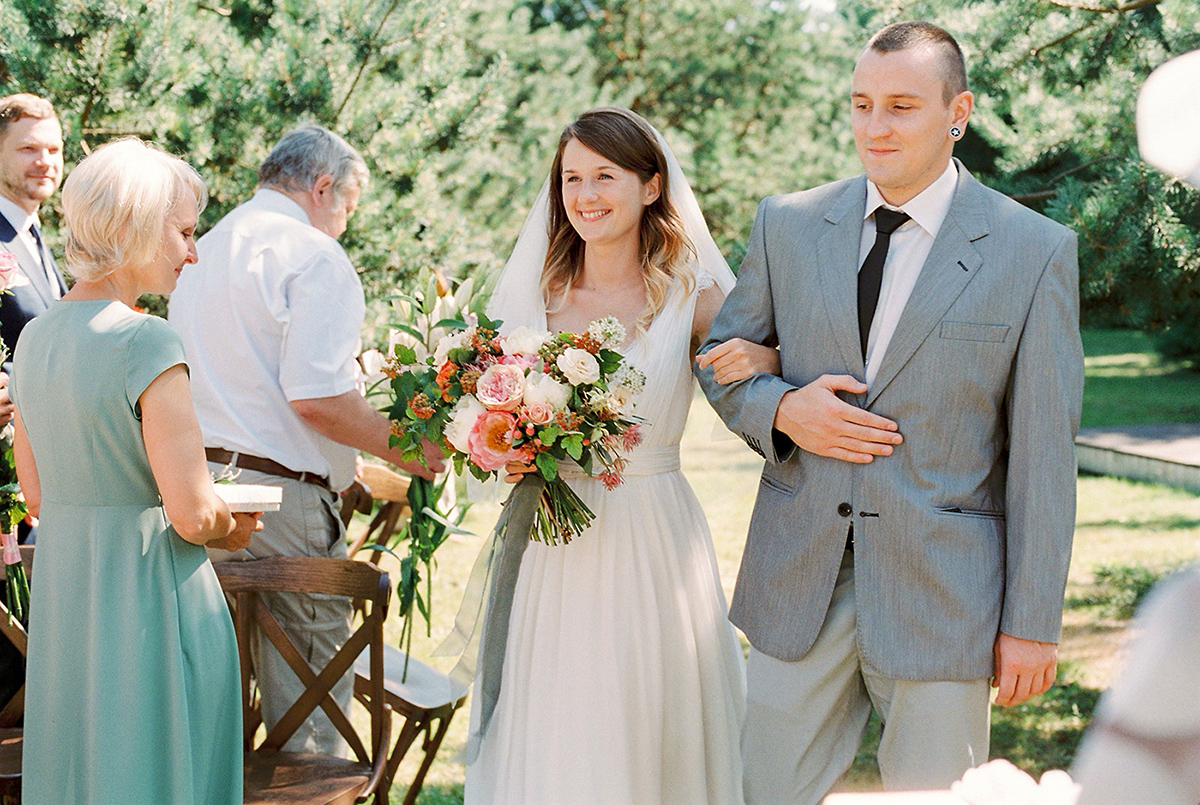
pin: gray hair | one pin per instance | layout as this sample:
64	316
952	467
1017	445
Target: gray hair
307	154
116	201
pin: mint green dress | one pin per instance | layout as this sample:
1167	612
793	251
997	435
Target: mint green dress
133	693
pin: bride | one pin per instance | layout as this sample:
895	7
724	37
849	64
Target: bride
622	678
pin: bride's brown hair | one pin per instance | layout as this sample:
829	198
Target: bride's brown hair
666	252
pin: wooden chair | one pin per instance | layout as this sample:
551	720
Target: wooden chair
276	777
387	486
11	735
426	698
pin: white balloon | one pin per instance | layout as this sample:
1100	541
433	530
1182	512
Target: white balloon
1168	118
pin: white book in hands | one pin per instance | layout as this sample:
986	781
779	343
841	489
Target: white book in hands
250	497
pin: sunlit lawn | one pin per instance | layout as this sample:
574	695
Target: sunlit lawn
1119	523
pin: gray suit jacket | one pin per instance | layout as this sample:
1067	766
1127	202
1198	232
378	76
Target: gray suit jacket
966	529
26	299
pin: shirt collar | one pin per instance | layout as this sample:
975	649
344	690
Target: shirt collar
274	201
20	220
929	207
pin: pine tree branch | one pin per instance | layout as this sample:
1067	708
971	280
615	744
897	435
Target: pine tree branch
1036	53
362	66
1119	8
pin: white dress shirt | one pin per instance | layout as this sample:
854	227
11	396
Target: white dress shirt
907	251
23	221
272	313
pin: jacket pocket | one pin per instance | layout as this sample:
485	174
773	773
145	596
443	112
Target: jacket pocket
961	512
965	331
778	485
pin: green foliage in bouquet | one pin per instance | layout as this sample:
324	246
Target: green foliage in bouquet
426	315
12	505
12	512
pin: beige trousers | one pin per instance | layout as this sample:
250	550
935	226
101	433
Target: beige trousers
307	524
805	720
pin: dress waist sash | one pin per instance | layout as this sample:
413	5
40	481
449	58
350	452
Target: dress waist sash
642	461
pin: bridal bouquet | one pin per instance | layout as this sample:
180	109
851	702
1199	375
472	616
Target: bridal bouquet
528	398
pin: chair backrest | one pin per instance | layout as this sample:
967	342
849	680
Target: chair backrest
361	581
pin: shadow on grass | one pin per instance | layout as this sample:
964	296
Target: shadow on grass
1176	523
1118	590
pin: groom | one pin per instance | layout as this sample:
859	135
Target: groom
916	544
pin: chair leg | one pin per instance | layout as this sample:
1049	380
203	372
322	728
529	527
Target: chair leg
432	742
408	735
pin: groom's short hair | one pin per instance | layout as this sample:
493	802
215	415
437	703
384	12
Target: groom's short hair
915	33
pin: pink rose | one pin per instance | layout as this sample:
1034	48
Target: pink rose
501	387
491	441
538	413
521	361
8	267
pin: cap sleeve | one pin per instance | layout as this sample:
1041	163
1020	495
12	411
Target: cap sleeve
153	349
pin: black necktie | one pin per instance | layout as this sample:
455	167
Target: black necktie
871	275
41	249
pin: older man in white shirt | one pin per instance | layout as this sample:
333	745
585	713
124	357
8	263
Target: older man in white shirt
270	319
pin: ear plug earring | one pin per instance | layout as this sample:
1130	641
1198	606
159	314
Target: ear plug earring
956	133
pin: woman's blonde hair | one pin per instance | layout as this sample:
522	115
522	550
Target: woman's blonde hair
666	252
116	201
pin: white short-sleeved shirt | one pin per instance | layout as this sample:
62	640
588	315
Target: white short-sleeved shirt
272	313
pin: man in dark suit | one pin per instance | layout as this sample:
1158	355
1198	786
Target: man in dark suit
31	166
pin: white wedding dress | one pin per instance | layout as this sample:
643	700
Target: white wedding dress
623	682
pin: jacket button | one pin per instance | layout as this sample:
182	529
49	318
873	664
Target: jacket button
845	509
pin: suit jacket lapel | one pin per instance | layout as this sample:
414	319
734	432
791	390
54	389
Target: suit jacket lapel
951	264
837	252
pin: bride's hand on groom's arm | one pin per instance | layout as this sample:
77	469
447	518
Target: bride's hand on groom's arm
818	421
737	359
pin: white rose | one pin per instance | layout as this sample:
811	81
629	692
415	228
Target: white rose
541	388
462	421
579	366
447	343
620	401
524	341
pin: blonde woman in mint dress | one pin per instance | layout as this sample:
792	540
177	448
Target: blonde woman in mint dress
133	693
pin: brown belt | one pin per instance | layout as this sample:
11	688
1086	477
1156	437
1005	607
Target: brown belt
256	464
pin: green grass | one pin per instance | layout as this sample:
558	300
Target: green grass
1127	383
1127	534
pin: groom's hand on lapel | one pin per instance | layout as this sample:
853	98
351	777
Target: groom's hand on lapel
1024	669
818	421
